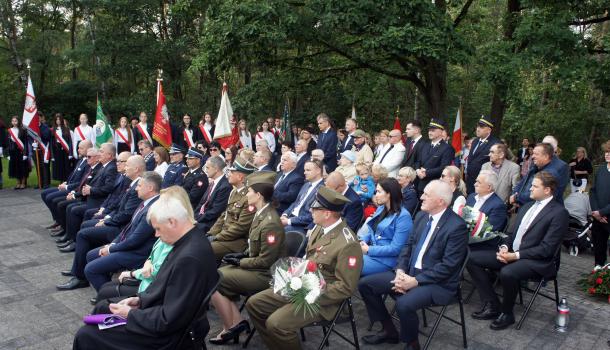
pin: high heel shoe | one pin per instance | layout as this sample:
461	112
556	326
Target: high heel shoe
222	339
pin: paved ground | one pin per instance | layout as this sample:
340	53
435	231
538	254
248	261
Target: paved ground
34	315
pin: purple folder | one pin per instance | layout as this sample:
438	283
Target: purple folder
105	319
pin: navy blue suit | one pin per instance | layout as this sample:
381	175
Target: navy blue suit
409	199
327	142
302	221
52	196
287	189
557	167
477	158
102	185
494	208
434	160
150	162
215	206
346	145
353	211
437	280
268	167
173	175
127	251
300	168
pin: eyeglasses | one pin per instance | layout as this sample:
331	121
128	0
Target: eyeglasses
91	157
141	149
121	161
214	149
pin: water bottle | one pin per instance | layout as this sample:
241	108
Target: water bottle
563	316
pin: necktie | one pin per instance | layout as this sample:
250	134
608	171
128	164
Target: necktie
525	224
411	146
84	179
420	243
207	197
126	229
280	180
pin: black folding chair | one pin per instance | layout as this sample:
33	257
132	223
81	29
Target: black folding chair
328	327
192	337
441	314
540	282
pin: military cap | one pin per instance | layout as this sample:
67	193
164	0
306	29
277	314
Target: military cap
358	133
436	124
484	121
176	148
194	153
261	178
242	165
329	200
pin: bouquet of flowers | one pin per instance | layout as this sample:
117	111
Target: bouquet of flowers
597	282
478	225
299	281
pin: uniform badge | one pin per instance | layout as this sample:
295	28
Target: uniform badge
351	262
251	208
200	183
271	238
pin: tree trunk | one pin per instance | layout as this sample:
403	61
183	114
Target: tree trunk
435	94
73	35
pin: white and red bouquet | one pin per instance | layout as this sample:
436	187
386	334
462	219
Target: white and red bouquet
479	228
299	281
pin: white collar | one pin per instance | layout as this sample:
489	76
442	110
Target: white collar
436	217
331	227
150	199
484	198
314	184
134	181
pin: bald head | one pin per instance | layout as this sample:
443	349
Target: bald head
121	161
135	166
336	181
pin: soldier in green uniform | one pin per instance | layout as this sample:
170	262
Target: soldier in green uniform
230	232
335	249
248	273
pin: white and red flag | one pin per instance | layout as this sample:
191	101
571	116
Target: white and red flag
226	135
456	139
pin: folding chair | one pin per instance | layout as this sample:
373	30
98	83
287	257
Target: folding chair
328	327
192	339
537	292
441	314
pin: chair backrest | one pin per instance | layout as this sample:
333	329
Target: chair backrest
295	242
462	268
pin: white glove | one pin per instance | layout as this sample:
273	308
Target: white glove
35	145
8	158
0	151
46	162
70	157
25	157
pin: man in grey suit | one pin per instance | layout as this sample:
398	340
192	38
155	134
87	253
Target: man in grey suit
507	171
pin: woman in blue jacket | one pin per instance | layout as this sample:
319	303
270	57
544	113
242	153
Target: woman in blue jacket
386	233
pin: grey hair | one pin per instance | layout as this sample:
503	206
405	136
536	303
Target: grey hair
168	207
217	162
138	161
442	190
291	155
109	148
551	140
491	178
408	172
152	178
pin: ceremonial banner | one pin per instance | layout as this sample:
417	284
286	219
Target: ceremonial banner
285	133
456	139
224	134
103	133
162	130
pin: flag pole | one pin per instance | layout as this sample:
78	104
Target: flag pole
159	80
29	67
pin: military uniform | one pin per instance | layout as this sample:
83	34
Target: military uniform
338	255
266	245
194	183
230	232
173	175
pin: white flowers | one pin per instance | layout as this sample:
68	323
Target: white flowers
311	281
312	296
296	283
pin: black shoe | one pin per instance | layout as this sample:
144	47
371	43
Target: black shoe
69	248
65	244
57	228
503	321
62	239
93	301
57	233
67	273
73	283
221	340
380	338
414	345
488	312
233	333
52	226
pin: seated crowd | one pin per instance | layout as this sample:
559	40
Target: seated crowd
175	226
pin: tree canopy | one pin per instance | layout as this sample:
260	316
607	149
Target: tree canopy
536	67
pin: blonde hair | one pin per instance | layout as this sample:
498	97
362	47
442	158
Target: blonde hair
385	132
380	170
180	194
362	166
584	151
456	174
407	172
246	154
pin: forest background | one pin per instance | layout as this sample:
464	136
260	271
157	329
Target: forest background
536	67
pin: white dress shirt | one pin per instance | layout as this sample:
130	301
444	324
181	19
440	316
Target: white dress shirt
424	247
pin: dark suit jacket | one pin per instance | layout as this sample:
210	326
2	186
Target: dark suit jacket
476	160
215	206
542	238
268	167
600	194
494	208
169	304
121	183
287	191
413	159
195	184
127	206
327	142
140	236
410	199
557	167
445	253
347	144
300	168
304	218
150	162
77	174
434	160
353	211
102	185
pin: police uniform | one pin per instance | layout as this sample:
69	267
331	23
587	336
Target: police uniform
173	175
338	255
195	182
479	154
266	244
230	232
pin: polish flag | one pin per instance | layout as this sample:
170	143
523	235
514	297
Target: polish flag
456	139
226	135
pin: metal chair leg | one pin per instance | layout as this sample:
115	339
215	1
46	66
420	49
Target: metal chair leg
249	337
353	322
463	324
556	292
434	328
529	305
303	335
423	317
